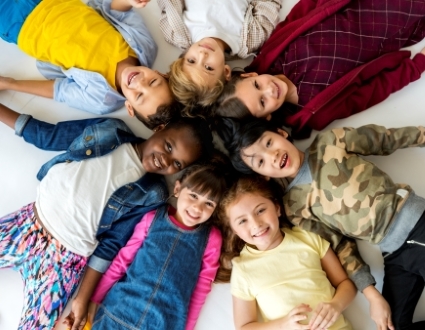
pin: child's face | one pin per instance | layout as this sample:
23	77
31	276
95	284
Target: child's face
192	208
145	90
168	151
262	94
272	155
204	62
255	219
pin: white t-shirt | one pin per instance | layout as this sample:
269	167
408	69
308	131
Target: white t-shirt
286	276
71	197
223	19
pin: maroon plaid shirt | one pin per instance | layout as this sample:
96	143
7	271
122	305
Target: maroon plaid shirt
340	44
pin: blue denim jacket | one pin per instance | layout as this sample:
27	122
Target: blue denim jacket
89	91
85	139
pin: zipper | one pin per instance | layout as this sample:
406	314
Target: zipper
415	242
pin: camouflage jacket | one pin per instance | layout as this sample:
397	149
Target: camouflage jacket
337	193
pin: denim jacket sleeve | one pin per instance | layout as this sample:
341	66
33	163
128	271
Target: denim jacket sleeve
55	137
122	214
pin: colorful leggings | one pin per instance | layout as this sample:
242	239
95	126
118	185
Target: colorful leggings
50	272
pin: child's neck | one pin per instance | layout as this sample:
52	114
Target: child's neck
129	61
292	95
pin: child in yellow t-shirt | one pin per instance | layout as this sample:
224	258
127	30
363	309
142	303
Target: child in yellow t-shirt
291	276
96	56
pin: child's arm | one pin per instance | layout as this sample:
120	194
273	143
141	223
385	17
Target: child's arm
260	20
245	317
125	5
124	258
42	88
326	313
8	116
210	264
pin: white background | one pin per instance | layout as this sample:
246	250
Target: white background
19	163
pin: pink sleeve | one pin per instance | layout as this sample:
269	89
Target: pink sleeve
210	264
124	258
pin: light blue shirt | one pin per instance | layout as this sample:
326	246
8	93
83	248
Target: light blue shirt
89	91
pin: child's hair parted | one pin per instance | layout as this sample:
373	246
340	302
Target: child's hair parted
244	184
227	104
200	131
189	92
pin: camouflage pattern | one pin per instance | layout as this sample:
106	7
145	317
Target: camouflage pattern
349	195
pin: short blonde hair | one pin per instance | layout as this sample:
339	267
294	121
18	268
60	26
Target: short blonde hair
187	92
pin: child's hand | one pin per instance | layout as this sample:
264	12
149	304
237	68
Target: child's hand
77	318
291	321
324	316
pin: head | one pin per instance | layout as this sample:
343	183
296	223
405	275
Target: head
250	94
198	76
249	212
198	192
174	146
148	95
259	146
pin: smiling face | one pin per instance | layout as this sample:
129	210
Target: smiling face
145	90
204	62
192	208
272	155
168	151
262	94
255	219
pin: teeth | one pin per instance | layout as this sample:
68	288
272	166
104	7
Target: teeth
156	162
131	78
260	233
284	159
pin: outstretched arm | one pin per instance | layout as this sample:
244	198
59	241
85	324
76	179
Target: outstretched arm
326	313
8	116
125	5
42	88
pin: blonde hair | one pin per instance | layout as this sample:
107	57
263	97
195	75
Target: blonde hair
190	94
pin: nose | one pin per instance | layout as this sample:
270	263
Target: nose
165	161
197	207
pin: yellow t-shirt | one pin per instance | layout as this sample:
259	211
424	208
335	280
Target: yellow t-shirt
284	277
70	34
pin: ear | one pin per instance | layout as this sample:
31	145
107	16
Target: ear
278	210
227	72
267	178
282	132
163	75
129	107
177	187
160	127
269	116
249	74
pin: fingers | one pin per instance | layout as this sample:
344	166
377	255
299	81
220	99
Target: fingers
390	324
69	320
323	317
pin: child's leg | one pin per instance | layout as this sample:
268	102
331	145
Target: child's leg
13	14
49	271
404	279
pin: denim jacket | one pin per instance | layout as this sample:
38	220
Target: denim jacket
85	139
87	90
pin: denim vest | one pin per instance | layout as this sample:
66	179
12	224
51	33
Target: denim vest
155	292
86	139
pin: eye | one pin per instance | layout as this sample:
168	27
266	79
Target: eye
256	85
268	143
152	81
210	204
191	61
168	146
178	164
208	68
194	196
262	102
241	222
262	210
260	163
139	95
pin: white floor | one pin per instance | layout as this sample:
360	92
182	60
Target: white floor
19	163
